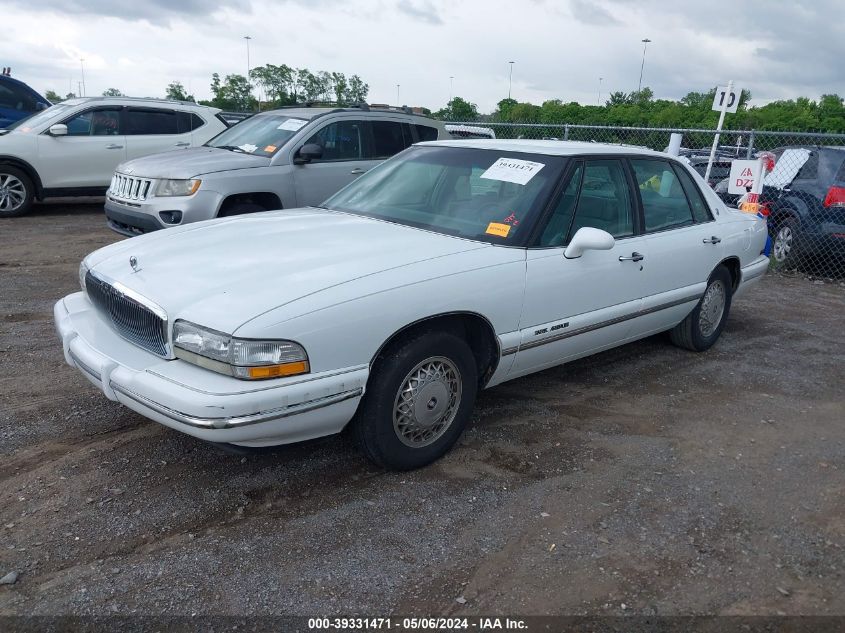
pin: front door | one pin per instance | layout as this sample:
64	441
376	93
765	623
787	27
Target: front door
346	151
574	307
88	155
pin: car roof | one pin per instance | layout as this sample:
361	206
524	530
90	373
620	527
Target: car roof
552	148
136	101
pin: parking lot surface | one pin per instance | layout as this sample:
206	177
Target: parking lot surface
647	479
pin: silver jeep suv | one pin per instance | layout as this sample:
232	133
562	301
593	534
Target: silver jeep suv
291	157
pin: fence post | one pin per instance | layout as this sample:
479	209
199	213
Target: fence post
566	132
750	145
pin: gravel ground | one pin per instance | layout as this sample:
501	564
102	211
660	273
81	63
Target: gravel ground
644	480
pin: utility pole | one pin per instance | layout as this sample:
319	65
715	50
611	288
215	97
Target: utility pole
640	85
249	87
598	101
82	66
451	86
397	95
510	81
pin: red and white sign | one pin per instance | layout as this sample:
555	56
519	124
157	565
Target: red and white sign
744	173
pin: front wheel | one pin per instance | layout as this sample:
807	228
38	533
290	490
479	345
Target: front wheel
702	327
418	401
16	192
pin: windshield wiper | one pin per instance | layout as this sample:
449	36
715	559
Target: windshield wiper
231	148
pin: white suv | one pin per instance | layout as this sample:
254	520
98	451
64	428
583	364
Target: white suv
72	148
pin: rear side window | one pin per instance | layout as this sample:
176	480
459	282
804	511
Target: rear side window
188	121
426	133
700	211
387	138
810	169
665	205
150	122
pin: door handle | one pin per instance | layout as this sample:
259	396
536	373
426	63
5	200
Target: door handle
183	144
712	240
635	257
113	146
357	171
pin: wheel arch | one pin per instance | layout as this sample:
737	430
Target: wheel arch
473	327
267	199
27	168
734	267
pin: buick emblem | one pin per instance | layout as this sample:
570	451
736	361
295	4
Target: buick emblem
133	261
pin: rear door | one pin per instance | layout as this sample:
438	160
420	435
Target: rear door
88	155
152	130
682	243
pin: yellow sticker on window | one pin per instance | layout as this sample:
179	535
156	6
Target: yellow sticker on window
497	228
270	148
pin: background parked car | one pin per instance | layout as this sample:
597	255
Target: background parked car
72	148
18	101
469	131
291	157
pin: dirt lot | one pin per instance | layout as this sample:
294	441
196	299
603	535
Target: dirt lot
644	480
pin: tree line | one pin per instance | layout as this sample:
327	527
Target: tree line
640	108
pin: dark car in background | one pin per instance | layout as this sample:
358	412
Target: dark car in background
805	195
18	101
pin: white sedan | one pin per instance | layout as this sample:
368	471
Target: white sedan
455	266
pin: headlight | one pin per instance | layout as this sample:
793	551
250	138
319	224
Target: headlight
83	270
242	358
178	187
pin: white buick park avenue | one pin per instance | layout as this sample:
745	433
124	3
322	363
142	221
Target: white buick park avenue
452	267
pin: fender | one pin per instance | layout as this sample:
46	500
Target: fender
27	168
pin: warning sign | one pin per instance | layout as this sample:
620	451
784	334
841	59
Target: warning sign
743	175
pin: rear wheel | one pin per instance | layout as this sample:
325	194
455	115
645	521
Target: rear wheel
418	401
16	192
702	327
785	250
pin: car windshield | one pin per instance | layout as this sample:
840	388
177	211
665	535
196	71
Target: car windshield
481	194
31	122
261	135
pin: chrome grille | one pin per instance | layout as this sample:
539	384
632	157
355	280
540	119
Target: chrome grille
129	317
130	187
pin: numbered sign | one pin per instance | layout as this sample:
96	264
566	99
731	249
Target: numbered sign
732	98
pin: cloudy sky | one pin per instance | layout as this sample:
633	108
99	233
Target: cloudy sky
778	49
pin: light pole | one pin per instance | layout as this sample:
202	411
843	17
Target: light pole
510	81
598	101
645	44
397	95
82	66
248	86
451	86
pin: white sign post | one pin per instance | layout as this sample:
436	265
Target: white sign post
726	100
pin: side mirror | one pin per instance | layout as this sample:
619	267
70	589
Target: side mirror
58	129
308	152
588	239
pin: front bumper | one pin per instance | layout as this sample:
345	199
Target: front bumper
142	216
201	403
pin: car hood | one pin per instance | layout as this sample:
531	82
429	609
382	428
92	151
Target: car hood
222	273
188	163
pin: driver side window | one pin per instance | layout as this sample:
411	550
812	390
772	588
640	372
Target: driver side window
95	123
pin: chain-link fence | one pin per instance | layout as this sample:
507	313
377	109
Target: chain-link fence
803	190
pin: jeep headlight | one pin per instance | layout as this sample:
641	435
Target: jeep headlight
83	271
242	358
178	187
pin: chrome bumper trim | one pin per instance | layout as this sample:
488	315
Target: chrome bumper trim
88	370
237	421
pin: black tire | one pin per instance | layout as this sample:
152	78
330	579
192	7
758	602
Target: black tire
16	192
377	428
698	336
240	208
786	250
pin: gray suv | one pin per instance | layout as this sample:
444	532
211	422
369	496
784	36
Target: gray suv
291	157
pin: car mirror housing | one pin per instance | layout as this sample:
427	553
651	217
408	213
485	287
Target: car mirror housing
58	129
309	152
588	239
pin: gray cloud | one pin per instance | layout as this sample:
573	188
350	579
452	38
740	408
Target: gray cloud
153	11
591	12
422	10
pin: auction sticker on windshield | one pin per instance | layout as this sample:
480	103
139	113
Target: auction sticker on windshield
513	170
291	124
499	229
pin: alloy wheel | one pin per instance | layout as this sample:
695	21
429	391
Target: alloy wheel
12	192
427	402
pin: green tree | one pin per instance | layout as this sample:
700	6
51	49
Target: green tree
53	97
112	92
357	91
176	92
276	81
458	109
